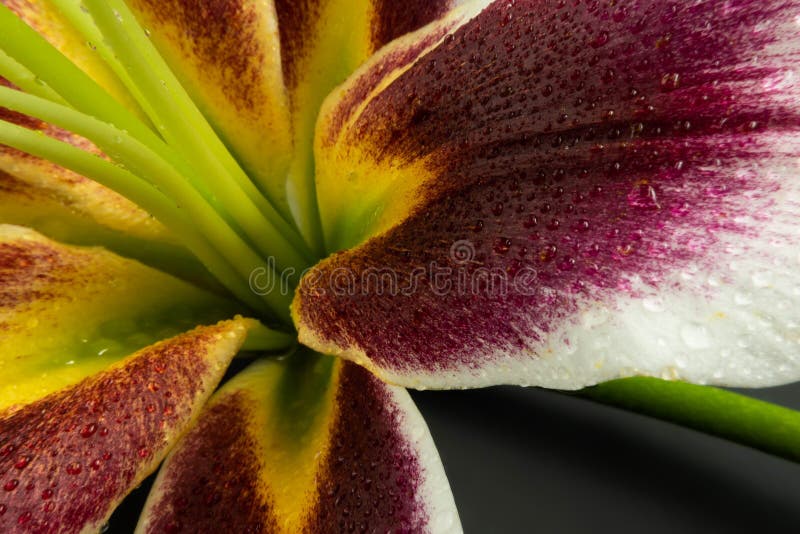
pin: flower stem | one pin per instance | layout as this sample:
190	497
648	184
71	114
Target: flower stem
757	424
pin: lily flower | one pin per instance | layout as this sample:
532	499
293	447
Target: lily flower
366	196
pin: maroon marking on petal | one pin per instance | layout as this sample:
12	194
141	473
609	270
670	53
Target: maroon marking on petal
71	480
296	20
395	19
24	269
368	81
213	479
517	73
9	184
371	475
225	34
577	159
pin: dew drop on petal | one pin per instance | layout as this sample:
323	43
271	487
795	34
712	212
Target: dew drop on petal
74	468
695	336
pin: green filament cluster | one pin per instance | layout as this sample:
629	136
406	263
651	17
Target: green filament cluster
165	156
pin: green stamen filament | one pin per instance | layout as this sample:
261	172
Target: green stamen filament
150	199
25	79
185	128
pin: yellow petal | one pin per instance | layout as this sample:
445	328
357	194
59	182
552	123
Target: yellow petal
68	312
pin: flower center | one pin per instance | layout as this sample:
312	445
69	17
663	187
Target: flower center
166	157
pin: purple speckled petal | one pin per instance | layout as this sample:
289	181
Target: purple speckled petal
560	193
68	459
310	444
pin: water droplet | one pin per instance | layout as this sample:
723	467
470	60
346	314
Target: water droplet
89	430
143	452
502	246
74	468
643	196
654	305
47	494
11	485
583	225
600	40
22	462
3	509
695	336
762	279
566	264
548	252
24	518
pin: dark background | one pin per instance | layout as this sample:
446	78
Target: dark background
527	460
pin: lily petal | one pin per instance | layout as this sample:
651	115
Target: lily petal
227	56
68	459
305	445
610	190
22	204
69	312
322	43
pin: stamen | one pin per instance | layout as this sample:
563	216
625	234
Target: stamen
185	128
25	79
224	220
150	199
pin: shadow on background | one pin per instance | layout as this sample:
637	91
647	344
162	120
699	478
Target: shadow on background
537	461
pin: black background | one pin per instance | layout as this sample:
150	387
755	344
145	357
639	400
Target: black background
527	460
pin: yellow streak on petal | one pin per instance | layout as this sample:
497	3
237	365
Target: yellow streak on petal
68	312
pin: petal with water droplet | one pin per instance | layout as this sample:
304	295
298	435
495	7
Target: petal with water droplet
512	178
68	312
310	444
57	471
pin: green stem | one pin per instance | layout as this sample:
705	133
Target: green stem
757	424
186	128
150	199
